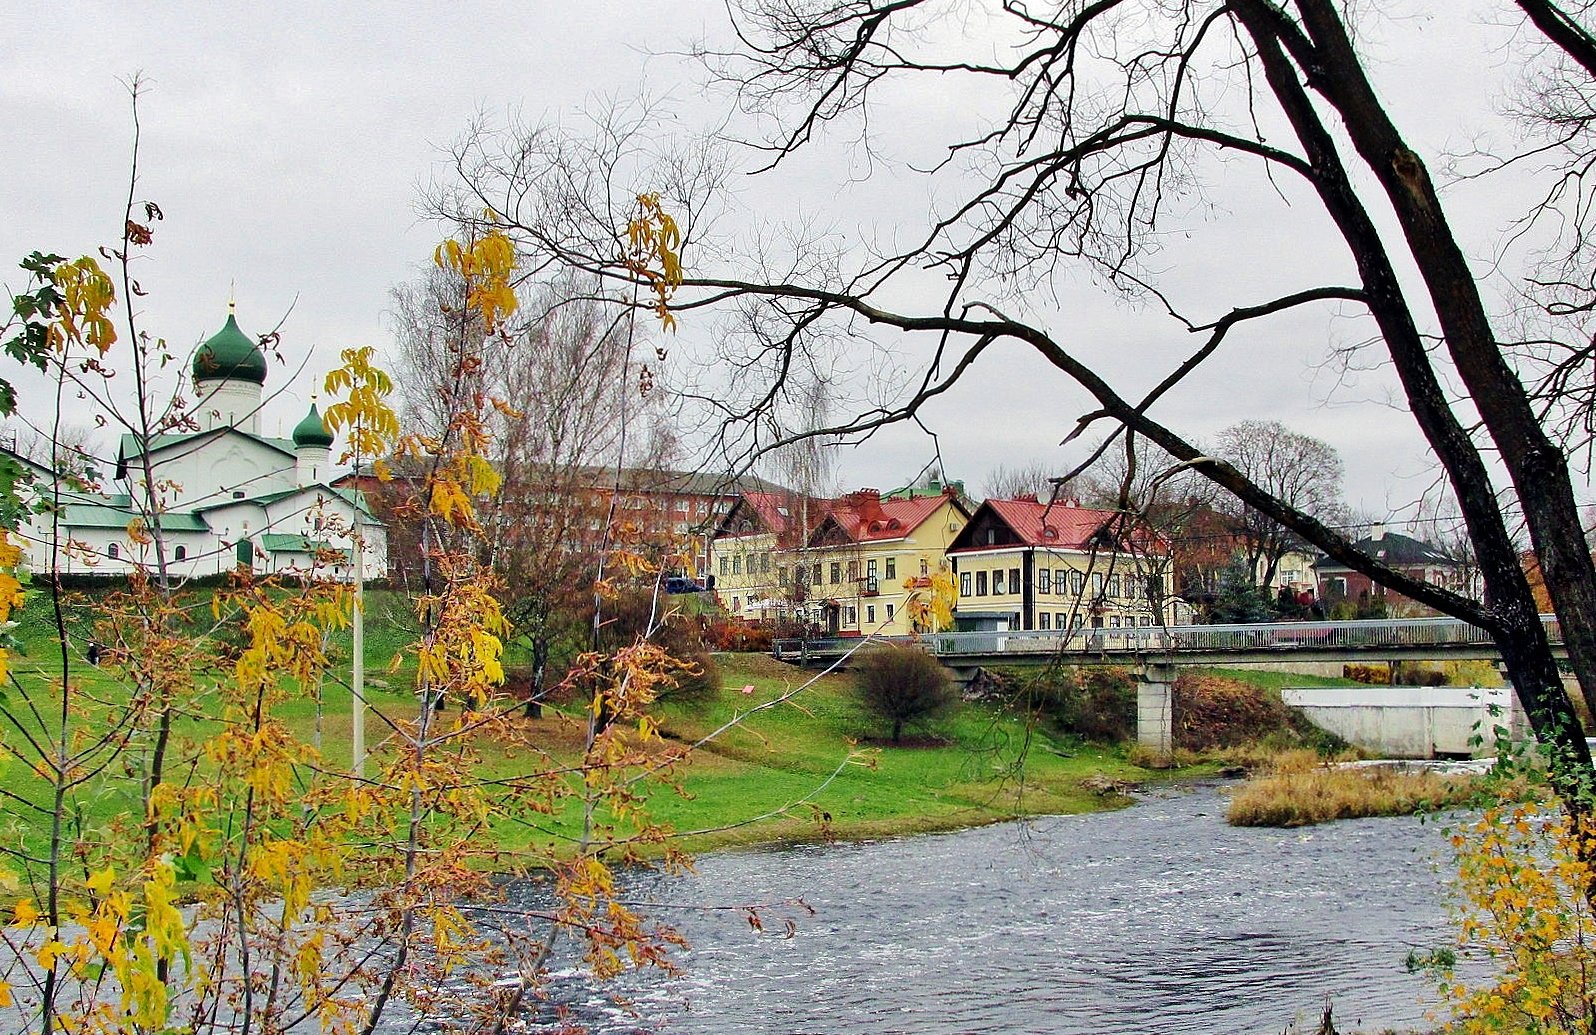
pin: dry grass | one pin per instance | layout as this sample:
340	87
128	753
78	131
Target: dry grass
1302	789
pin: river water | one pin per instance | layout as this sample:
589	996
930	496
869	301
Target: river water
1156	919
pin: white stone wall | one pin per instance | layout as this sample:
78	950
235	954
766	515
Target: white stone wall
227	403
206	471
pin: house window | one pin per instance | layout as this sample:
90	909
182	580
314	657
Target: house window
1060	618
1145	620
817	573
870	568
764	564
725	564
1113	585
737	564
1338	587
998	585
703	508
853	571
925	566
181	553
1113	621
964	583
800	575
238	494
980	583
1077	582
1042	620
1097	583
836	572
870	614
890	611
892	567
853	616
113	551
737	603
1014	580
781	575
1044	580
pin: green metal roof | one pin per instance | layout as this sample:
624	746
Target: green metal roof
230	354
128	446
92	515
312	431
279	542
350	496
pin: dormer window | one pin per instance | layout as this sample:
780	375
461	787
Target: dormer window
238	494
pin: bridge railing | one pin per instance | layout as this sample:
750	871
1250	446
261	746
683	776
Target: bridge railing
1282	636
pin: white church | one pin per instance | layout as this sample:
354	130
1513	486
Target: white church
228	496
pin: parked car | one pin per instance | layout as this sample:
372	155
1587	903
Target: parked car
681	584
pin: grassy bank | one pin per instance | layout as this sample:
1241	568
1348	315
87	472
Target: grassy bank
802	770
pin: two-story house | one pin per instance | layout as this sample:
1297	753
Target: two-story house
753	551
1344	590
870	556
1023	564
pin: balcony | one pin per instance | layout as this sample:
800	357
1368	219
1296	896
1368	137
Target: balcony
870	587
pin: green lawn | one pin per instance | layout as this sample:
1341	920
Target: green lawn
809	767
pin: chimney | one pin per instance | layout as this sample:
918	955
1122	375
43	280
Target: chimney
866	503
1377	531
1026	497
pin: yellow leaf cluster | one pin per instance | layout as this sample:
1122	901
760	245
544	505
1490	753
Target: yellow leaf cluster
486	265
1525	886
362	411
655	254
84	315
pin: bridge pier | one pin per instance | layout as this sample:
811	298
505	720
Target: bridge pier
1155	707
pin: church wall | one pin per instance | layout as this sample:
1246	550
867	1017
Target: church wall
207	471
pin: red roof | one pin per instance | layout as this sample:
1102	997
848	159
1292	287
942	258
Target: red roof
772	508
1065	525
866	518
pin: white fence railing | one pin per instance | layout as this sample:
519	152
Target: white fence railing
1280	636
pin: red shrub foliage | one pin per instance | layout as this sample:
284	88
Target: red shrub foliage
1211	712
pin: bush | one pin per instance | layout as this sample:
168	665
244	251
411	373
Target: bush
1373	675
1211	712
1097	704
903	686
698	684
735	634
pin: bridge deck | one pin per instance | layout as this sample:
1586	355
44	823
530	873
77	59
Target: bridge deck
1398	638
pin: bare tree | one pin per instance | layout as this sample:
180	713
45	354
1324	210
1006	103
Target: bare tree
567	373
1033	479
1301	471
1089	128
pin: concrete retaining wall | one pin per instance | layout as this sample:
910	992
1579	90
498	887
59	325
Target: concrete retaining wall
1409	721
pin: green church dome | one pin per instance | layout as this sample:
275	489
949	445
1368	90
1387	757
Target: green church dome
230	354
312	431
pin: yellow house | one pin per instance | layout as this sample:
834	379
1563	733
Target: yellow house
1022	564
869	556
753	550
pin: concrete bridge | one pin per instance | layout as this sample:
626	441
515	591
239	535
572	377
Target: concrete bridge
1157	651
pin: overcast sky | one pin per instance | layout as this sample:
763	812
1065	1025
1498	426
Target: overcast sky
286	144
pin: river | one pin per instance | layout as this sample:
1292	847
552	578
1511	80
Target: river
1156	919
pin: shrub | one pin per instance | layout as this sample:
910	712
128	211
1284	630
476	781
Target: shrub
1212	712
903	686
735	634
1373	675
698	684
1091	703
